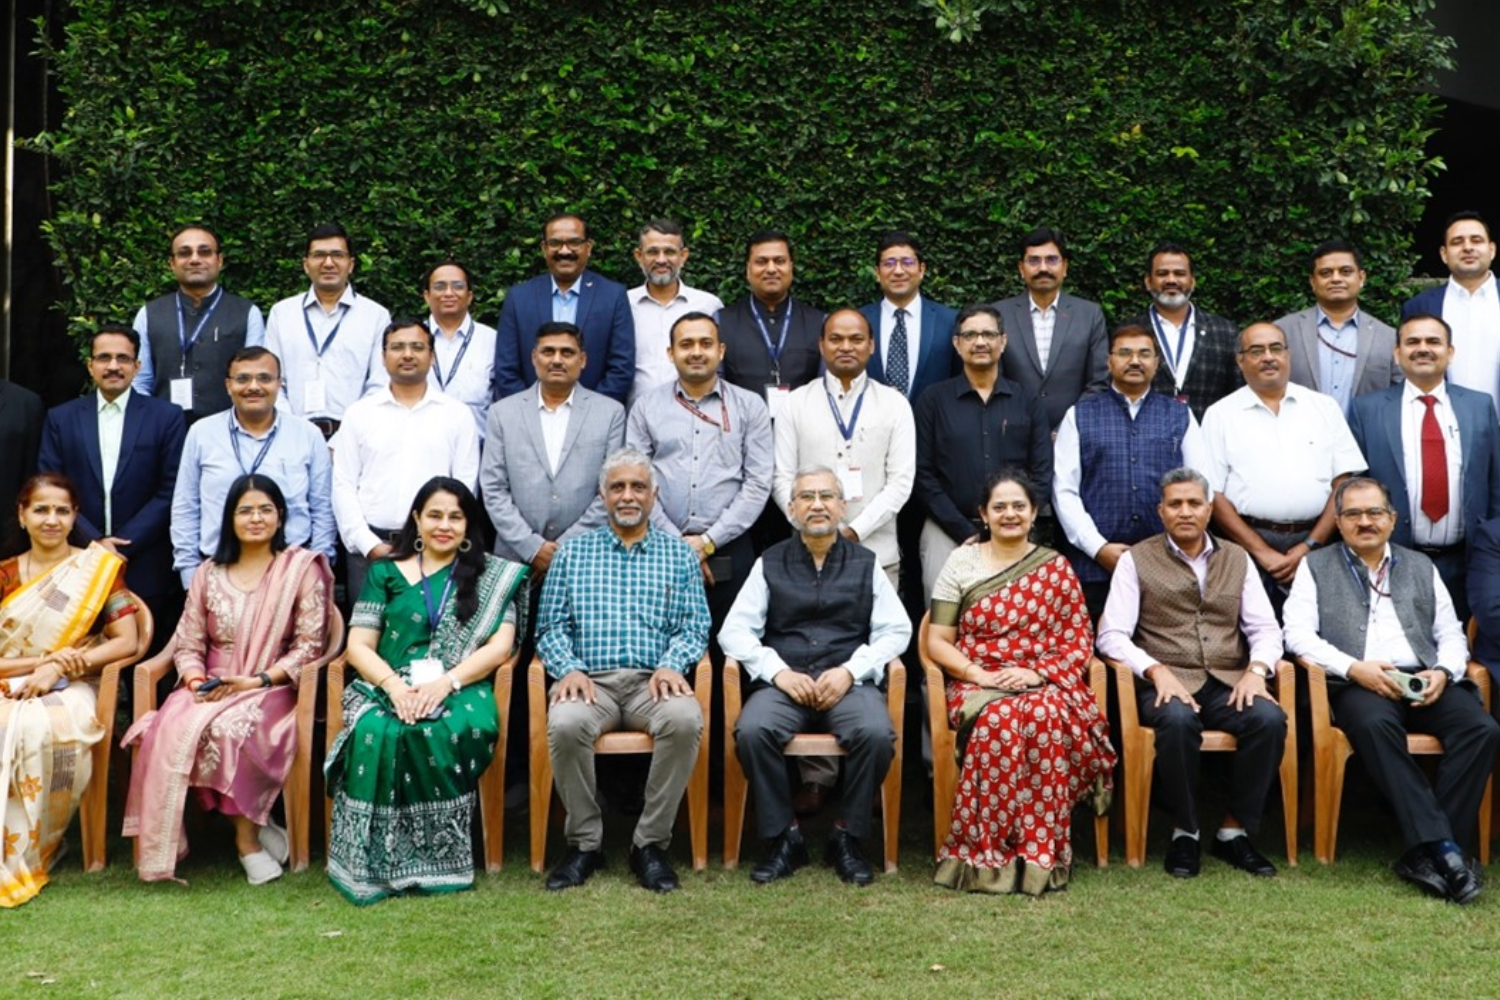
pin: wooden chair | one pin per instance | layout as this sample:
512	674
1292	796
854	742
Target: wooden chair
614	743
491	782
297	795
810	745
945	750
93	809
1332	750
1138	753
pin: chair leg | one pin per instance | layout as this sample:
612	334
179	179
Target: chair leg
1140	764
94	806
697	802
890	813
541	799
1484	821
1329	795
492	809
735	792
1101	840
1289	802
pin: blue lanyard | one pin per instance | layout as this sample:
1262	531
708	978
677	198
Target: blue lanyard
183	340
234	441
437	366
434	611
847	430
765	336
313	338
1161	338
1362	573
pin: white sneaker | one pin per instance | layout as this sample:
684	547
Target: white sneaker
260	868
273	839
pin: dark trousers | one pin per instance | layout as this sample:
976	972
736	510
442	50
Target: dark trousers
1259	730
730	564
1377	727
860	723
1453	569
1281	541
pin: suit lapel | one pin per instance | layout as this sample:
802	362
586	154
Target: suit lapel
135	416
531	419
585	300
1027	334
1391	418
91	438
1304	336
1364	346
1062	318
575	424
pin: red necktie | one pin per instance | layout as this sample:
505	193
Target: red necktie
1434	465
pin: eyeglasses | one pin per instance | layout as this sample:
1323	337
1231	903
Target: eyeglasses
822	496
264	510
1051	260
260	378
1126	354
968	336
1354	515
891	263
188	253
319	256
1261	350
114	359
572	243
414	346
446	286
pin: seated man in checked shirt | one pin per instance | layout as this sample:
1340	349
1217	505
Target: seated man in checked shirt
623	620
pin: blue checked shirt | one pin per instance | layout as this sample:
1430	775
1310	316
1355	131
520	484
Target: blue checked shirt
606	607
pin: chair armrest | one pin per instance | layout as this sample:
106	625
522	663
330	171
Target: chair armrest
1099	681
895	691
1286	690
703	688
733	695
1317	694
148	674
336	669
1480	675
1130	718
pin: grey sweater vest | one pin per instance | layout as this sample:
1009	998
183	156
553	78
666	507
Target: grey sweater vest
1344	601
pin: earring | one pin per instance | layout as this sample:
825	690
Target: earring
465	545
419	545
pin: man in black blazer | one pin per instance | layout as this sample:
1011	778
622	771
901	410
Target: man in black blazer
569	292
1056	345
770	339
1469	301
122	449
1197	348
21	413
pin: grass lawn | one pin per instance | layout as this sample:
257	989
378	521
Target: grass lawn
1353	930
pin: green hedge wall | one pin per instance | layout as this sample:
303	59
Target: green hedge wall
1248	129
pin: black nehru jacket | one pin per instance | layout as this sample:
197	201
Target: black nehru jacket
815	620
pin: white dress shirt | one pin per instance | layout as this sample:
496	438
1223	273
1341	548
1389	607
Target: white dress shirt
1384	638
554	426
1449	529
111	431
1067	475
653	332
1123	610
350	365
1043	321
384	452
913	336
466	371
1475	319
1167	336
890	630
882	454
1278	466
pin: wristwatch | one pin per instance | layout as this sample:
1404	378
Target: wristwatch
453	679
1312	543
709	548
265	679
1260	671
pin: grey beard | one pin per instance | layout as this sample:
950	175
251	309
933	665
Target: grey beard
1173	301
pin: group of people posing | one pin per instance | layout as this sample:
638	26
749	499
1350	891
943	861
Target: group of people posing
631	482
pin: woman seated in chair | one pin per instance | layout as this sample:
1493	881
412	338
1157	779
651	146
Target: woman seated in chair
435	618
256	614
1010	630
64	615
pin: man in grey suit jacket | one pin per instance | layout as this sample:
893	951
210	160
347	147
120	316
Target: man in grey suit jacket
1057	347
1437	514
543	449
1336	349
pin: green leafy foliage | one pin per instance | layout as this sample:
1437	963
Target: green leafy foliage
1250	131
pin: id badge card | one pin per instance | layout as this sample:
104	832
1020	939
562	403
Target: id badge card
425	671
776	397
852	479
181	391
315	396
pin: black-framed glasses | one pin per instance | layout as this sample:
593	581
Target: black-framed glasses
1261	350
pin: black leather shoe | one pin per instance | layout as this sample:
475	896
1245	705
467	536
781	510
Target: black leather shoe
788	853
1182	860
847	859
651	866
1415	866
575	869
1243	855
1462	886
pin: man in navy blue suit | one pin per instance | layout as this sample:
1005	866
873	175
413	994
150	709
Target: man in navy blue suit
1436	447
122	449
913	349
569	292
1469	302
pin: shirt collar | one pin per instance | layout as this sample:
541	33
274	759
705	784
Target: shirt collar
1323	320
1410	393
1208	547
888	308
1030	301
836	388
465	327
570	293
121	401
347	299
641	294
618	543
542	405
187	303
716	392
235	427
1486	290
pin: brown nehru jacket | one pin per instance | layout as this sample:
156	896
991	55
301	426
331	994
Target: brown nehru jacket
1193	635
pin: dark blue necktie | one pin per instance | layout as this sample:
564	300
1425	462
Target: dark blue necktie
897	366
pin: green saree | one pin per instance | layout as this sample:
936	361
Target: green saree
404	795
